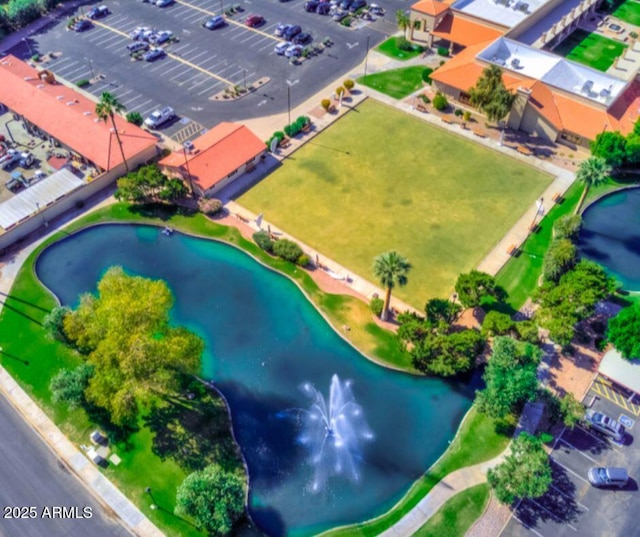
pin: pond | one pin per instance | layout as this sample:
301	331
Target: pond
610	236
267	350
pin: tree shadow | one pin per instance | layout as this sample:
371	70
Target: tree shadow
26	302
22	313
102	420
161	211
583	441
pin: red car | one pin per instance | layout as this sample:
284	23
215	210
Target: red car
254	20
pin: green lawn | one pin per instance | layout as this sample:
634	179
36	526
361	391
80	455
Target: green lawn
381	180
629	12
478	440
591	49
390	48
458	514
397	83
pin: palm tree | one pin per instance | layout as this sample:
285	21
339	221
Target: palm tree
403	21
592	172
108	107
391	269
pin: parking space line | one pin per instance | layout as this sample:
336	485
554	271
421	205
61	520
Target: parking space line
207	90
203	53
526	526
569	470
574	448
569	497
192	17
111	29
179	74
139	106
177	66
553	515
608	391
609	444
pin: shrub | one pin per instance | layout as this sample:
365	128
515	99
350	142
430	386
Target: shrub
425	99
376	306
426	75
263	240
35	58
559	259
402	43
600	343
82	83
633	35
443	51
572	410
210	207
53	323
466	115
339	91
497	324
288	130
440	102
303	260
349	84
568	227
442	62
458	112
288	250
325	103
135	118
303	120
528	332
346	21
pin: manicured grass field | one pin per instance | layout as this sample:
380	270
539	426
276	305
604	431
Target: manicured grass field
381	180
397	83
389	48
629	12
590	49
457	515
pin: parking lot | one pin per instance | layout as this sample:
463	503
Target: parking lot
573	506
204	62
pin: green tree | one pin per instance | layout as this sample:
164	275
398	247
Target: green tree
69	385
213	497
136	355
490	94
441	310
610	146
108	107
624	331
173	190
568	227
391	269
632	148
498	324
571	410
591	172
510	378
403	21
149	184
472	287
447	355
287	249
525	472
54	323
561	256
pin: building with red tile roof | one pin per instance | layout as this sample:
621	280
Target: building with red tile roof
216	158
67	116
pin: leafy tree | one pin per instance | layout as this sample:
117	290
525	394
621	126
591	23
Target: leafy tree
210	206
263	240
108	107
498	324
54	323
490	94
124	330
391	269
69	385
561	256
174	189
525	472
510	377
591	172
624	331
149	184
403	21
571	410
568	227
441	310
440	102
447	354
214	497
287	249
474	286
528	331
610	146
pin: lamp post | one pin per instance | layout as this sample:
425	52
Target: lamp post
288	104
90	62
28	43
366	59
244	76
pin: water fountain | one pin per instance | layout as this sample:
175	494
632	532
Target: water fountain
334	432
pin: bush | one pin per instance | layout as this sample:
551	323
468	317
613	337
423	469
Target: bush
443	51
466	115
82	83
349	84
567	227
528	332
571	410
600	343
288	250
210	207
559	259
303	260
263	240
278	135
376	306
458	112
402	43
325	103
346	21
53	323
442	62
425	99
339	91
440	102
633	35
497	324
135	118
426	75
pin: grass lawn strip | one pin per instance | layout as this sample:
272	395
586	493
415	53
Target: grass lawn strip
591	49
380	180
629	12
389	48
458	514
396	83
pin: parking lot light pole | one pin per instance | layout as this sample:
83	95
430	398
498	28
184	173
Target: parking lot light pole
28	43
93	74
288	104
244	74
221	10
366	59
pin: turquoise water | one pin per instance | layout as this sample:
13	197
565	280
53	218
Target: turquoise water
611	236
264	340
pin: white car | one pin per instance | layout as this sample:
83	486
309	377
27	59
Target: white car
161	37
158	117
137	32
281	48
293	51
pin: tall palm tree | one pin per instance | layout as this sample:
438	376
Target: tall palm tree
403	21
592	172
108	107
391	269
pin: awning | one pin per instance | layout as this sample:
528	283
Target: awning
624	372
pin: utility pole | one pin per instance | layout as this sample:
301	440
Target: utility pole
288	104
366	59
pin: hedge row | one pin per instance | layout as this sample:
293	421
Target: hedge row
18	13
283	248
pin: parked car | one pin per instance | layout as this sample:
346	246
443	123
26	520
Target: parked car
159	117
375	9
339	15
345	5
254	20
26	160
153	54
215	22
98	12
164	3
294	51
608	477
302	39
161	37
137	46
605	425
291	32
324	8
280	48
280	27
356	5
9	158
82	25
311	6
137	32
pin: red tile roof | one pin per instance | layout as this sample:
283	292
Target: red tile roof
430	7
217	154
464	32
68	116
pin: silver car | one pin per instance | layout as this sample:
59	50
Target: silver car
608	477
605	425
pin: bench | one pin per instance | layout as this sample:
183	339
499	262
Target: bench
284	143
446	120
421	108
524	150
556	197
479	133
512	249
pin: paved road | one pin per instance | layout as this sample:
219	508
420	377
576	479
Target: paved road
31	476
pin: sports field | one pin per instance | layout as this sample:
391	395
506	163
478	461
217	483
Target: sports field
590	49
381	180
629	12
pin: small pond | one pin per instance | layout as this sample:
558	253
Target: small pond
265	341
611	236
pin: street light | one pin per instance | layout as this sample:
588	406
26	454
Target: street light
93	74
288	104
28	43
366	59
